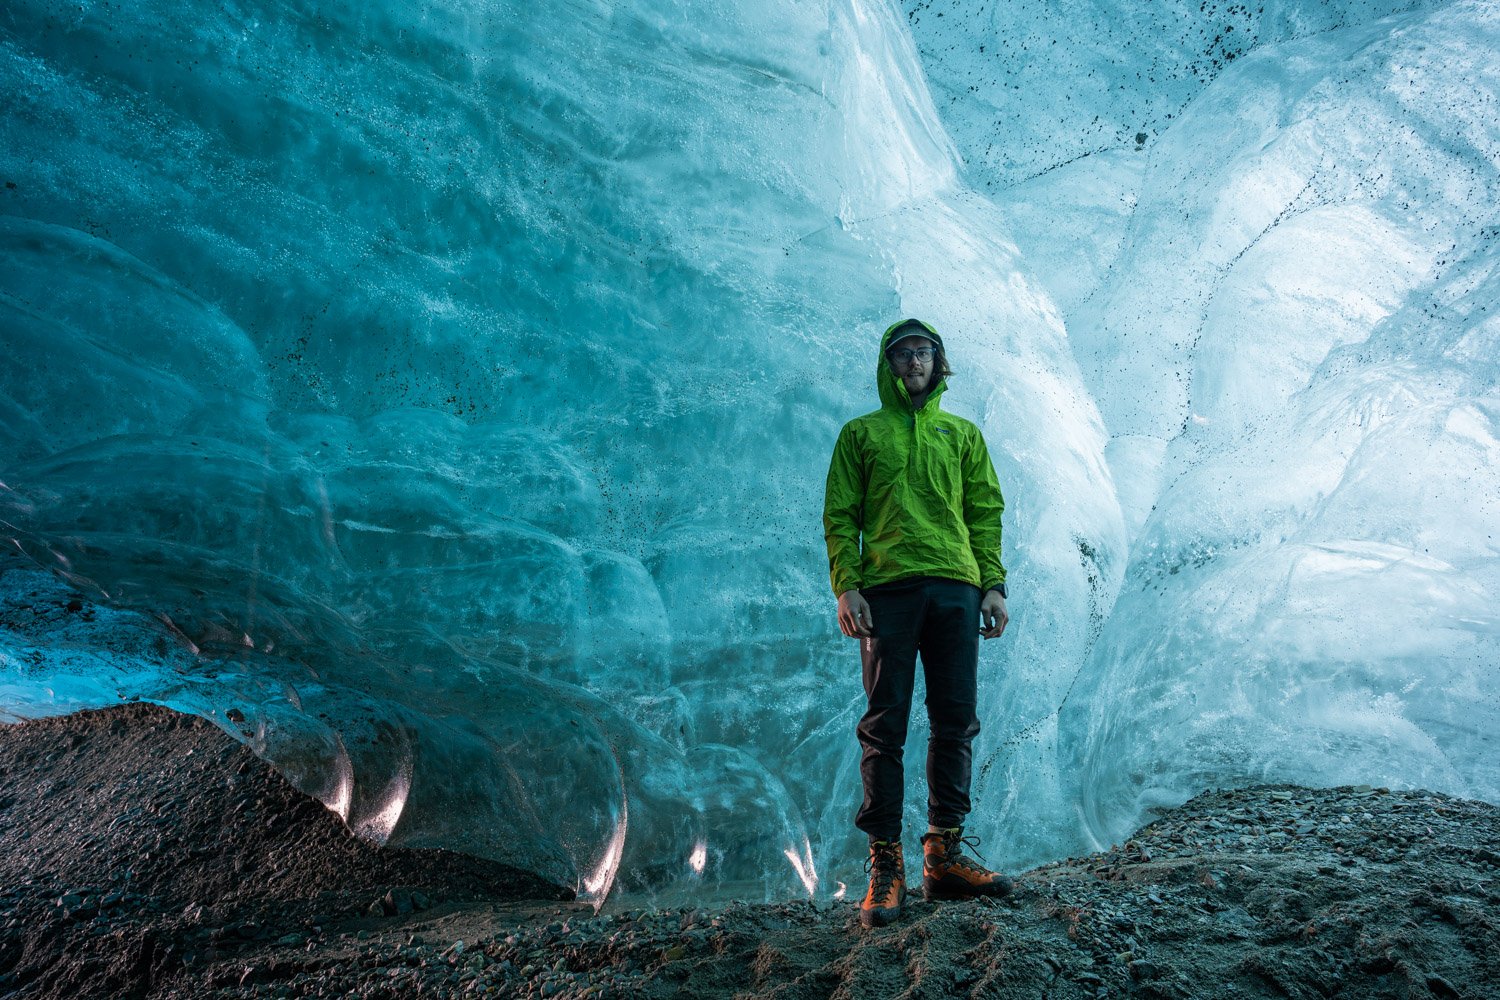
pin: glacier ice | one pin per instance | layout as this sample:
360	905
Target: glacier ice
438	398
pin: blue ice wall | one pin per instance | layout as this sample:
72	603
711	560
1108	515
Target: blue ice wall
439	398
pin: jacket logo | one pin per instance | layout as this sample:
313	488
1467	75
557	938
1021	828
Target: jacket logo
942	430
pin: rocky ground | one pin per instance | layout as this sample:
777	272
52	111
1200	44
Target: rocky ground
145	854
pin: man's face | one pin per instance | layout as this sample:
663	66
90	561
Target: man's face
913	371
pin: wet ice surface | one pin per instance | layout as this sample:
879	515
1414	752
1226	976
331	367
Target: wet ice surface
441	399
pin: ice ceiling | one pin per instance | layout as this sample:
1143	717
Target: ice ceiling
438	397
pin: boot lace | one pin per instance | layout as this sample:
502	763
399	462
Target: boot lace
883	867
953	845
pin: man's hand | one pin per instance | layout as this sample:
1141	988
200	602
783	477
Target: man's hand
854	615
992	615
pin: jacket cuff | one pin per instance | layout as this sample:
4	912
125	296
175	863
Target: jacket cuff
1004	594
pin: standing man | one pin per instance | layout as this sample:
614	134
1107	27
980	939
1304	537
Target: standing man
912	520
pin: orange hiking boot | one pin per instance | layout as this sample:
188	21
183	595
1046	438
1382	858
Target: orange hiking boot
882	904
948	874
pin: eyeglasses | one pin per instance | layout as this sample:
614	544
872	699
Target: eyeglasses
920	354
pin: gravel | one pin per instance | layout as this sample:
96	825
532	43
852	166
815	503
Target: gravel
144	853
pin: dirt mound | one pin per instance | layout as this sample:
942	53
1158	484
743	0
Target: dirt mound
138	844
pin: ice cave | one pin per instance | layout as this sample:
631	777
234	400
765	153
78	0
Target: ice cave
438	397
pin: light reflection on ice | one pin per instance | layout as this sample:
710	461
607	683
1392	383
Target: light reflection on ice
699	857
803	864
377	826
596	886
343	788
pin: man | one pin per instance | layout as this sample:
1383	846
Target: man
912	520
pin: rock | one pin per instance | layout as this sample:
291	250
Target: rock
1441	987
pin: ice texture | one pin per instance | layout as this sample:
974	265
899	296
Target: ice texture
439	397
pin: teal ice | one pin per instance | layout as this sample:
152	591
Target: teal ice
438	396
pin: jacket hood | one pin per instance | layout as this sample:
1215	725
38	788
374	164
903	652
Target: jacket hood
892	390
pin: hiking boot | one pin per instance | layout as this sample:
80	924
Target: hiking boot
948	874
882	904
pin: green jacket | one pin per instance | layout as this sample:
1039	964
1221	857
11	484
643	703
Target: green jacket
918	486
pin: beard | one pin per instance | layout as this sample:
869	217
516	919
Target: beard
927	384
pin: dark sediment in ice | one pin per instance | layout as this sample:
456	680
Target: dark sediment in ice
144	853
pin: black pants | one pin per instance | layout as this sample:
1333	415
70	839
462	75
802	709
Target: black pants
938	619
